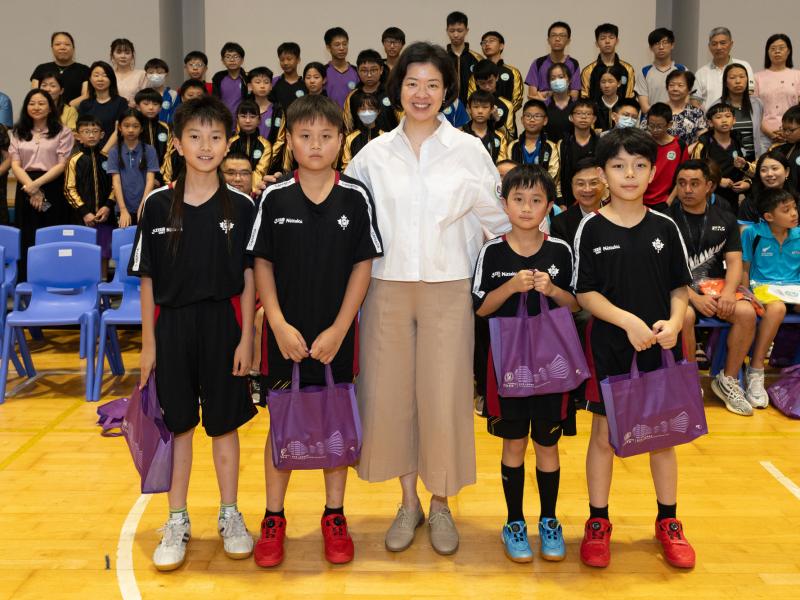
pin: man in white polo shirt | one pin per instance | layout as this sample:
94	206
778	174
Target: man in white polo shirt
708	79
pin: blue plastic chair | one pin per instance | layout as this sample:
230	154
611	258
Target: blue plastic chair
73	266
128	313
14	357
119	238
66	233
10	240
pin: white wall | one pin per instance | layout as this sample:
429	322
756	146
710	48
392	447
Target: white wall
523	24
93	24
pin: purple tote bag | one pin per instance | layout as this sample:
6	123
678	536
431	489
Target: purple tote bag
785	393
111	416
654	410
537	355
315	427
149	440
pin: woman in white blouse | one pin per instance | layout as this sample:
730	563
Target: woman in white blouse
436	192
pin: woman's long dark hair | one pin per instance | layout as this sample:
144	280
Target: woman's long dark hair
24	127
758	185
747	106
131	112
207	110
113	90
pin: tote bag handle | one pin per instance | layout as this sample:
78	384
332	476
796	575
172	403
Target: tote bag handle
296	377
667	360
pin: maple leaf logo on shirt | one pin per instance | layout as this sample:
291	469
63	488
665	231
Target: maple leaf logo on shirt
343	222
226	225
553	271
658	245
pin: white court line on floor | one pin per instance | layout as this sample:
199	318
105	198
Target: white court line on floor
790	485
126	577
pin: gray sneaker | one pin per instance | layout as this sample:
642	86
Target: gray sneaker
756	394
401	533
728	390
444	537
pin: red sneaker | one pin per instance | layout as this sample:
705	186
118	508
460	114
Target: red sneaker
269	547
596	544
338	543
677	550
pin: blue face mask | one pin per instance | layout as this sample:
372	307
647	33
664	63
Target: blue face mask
626	121
559	85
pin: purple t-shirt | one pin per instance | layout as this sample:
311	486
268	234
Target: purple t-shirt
338	84
538	77
231	92
265	123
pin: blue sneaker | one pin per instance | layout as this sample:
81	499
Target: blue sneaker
515	542
551	540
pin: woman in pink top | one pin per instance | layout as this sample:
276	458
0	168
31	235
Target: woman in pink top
778	85
129	80
39	149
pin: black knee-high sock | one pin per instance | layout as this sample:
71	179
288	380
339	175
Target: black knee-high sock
513	486
666	511
548	492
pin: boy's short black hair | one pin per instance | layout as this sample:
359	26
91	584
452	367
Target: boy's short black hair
196	54
507	161
485	69
659	34
292	48
584	103
526	177
770	199
792	115
496	34
622	102
237	156
719	107
605	28
207	109
480	96
587	162
661	109
193	83
147	95
260	72
248	107
156	63
714	172
534	103
687	75
423	52
561	24
393	33
87	120
231	47
457	18
694	165
333	33
369	56
631	139
309	108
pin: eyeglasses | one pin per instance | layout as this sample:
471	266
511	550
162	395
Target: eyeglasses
94	131
560	36
789	130
662	44
588	115
238	174
390	42
232	56
196	65
533	117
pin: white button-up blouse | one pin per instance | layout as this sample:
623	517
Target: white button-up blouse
432	212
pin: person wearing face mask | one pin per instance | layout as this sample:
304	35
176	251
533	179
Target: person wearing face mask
370	81
367	108
559	103
156	72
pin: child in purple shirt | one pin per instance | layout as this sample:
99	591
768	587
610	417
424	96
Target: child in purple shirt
341	76
230	84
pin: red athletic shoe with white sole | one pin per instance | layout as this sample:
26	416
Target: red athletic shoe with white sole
677	550
269	547
596	544
338	543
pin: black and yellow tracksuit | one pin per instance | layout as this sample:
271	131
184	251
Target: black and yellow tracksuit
173	164
548	157
591	73
464	64
158	135
257	148
87	186
355	141
388	117
510	85
494	141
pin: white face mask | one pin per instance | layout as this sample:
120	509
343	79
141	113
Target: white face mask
626	121
156	79
558	85
368	116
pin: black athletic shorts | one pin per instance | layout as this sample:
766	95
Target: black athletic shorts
543	432
195	345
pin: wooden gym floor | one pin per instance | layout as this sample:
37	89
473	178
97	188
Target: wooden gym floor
73	524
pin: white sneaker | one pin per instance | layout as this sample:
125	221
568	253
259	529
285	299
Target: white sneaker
171	551
236	540
728	390
756	394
